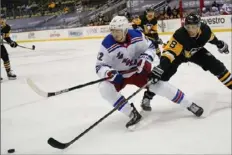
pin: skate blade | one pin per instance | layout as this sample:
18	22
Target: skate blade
12	78
140	125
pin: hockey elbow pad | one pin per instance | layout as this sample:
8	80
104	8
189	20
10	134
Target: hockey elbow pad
164	63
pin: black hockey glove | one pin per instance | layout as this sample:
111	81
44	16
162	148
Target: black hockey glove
13	44
222	47
156	74
156	41
160	41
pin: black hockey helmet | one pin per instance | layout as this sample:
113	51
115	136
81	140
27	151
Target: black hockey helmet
150	9
193	19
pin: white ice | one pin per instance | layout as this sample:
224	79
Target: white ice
28	120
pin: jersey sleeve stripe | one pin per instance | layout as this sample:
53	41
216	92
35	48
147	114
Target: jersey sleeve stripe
112	47
169	55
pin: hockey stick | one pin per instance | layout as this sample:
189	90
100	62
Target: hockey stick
32	48
56	144
49	94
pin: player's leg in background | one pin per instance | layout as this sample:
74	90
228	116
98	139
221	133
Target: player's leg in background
170	92
208	62
6	62
111	93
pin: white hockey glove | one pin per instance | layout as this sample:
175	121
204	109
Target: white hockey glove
222	47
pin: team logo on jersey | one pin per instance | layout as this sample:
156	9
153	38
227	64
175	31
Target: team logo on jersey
190	53
119	55
129	62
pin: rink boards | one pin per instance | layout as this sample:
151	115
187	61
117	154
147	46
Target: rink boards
165	27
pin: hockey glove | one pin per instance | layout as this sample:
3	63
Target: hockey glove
222	47
13	44
160	41
156	74
144	64
116	77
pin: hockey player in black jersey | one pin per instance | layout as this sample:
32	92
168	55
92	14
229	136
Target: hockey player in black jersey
148	24
5	34
187	45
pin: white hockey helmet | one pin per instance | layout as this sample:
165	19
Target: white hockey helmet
119	23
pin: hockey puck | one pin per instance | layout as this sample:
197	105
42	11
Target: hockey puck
33	47
11	151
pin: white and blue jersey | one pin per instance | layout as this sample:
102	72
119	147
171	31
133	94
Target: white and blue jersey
123	56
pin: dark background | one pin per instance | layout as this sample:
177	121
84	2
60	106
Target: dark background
4	2
21	2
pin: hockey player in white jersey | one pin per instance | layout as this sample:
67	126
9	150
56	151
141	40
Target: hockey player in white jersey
126	56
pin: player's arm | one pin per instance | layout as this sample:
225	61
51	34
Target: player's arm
146	58
171	50
136	24
102	64
221	45
154	28
104	69
153	35
6	35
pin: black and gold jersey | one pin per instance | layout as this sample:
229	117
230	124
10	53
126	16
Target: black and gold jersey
149	27
5	32
182	44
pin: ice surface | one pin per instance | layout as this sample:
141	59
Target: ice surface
28	120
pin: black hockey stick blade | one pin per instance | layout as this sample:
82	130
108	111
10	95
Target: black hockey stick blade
54	143
32	48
